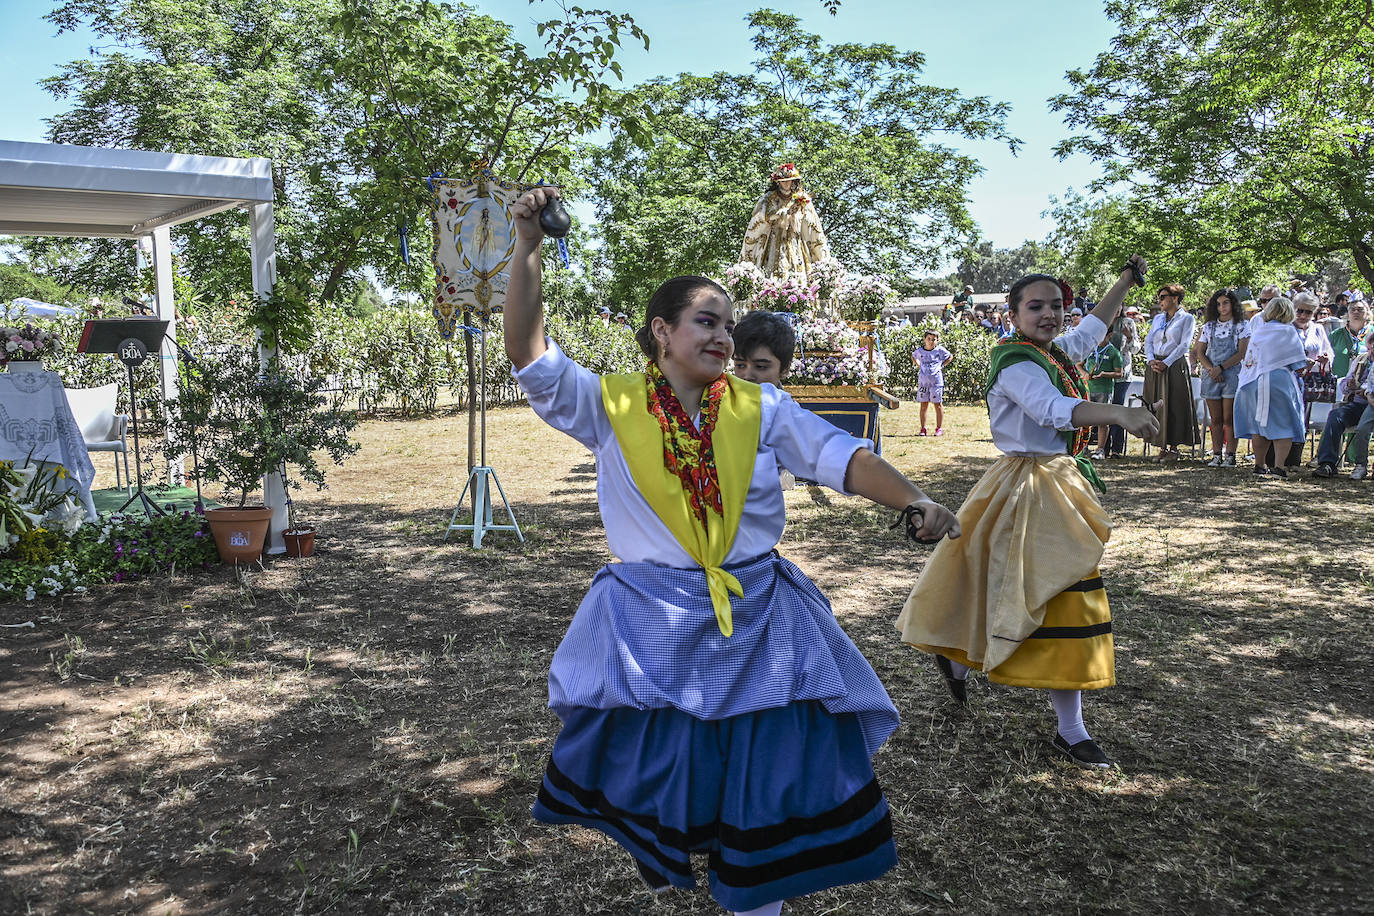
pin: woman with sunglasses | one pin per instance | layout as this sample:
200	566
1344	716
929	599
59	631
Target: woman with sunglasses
1166	374
1319	385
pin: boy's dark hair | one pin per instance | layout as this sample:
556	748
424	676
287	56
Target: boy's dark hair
765	329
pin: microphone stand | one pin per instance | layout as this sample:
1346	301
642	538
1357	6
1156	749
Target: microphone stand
190	363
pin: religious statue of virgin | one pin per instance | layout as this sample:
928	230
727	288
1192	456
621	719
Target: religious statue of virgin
785	237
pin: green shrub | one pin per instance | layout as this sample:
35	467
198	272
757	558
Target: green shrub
36	547
120	547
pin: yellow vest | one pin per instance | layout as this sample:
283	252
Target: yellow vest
735	443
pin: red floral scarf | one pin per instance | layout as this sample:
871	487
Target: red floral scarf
687	449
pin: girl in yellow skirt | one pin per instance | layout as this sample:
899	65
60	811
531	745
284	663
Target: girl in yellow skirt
1019	596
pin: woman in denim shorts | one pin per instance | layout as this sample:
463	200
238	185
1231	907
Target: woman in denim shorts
1218	353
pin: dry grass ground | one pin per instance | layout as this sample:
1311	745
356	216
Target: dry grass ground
364	731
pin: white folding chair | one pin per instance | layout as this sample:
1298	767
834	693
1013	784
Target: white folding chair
102	428
1317	414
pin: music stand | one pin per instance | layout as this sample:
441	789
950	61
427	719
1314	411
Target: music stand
130	340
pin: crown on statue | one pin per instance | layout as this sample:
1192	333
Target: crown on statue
785	172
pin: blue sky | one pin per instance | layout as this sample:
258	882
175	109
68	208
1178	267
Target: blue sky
1011	51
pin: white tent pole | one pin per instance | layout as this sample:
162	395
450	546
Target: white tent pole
165	307
262	229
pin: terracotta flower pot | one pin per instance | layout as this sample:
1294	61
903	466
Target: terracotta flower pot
300	542
239	533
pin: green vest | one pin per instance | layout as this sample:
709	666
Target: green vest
1011	351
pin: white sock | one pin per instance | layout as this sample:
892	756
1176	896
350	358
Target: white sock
1068	706
768	909
960	671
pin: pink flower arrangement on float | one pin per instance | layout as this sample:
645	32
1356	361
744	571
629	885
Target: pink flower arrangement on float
822	334
863	297
28	343
827	276
831	355
786	294
849	367
743	280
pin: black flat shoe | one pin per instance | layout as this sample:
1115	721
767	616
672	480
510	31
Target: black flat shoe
958	687
1084	753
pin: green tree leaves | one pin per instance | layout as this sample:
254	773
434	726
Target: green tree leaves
860	122
355	101
1245	127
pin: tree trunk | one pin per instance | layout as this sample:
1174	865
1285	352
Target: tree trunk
1363	263
336	273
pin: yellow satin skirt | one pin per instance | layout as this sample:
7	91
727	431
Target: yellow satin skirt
1020	594
1071	650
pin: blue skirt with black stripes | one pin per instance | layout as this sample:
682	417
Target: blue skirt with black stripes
754	749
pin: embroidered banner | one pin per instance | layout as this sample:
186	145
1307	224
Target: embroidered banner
474	240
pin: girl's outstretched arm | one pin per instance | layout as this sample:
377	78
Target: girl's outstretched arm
873	478
524	315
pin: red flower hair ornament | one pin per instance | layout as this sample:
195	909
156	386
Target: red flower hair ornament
1067	291
785	172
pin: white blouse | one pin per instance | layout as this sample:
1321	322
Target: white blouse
1221	330
1025	410
567	396
1315	343
1169	338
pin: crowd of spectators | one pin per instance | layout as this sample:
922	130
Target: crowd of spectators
1261	364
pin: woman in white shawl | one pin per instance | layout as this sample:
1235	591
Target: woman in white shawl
1268	402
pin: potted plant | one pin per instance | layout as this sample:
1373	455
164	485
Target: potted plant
251	416
299	538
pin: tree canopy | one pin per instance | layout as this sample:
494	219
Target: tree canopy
355	102
18	281
1242	129
872	140
990	270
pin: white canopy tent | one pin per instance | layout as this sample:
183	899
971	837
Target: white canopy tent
34	307
91	192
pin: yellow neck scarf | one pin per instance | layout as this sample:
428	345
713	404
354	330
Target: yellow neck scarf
735	444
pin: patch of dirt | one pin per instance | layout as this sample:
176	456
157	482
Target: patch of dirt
364	731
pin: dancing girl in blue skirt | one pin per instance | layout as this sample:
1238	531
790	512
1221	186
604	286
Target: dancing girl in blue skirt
710	702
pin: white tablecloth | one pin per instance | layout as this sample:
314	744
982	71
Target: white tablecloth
36	418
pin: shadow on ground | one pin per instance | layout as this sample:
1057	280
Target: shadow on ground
364	731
